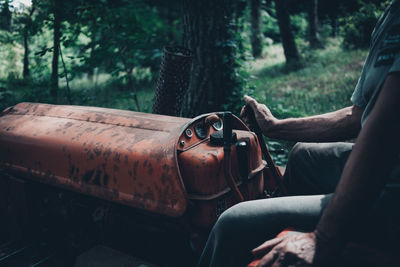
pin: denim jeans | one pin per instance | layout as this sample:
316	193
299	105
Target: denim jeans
311	176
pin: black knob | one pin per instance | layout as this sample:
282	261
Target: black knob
227	130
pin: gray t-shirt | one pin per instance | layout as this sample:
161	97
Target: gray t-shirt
383	58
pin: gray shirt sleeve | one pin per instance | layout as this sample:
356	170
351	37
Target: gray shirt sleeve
396	64
357	98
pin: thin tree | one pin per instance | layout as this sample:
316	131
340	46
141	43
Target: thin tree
28	29
313	25
289	45
57	11
5	16
256	35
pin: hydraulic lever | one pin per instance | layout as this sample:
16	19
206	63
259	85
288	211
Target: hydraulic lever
264	149
227	134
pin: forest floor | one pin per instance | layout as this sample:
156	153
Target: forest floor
325	83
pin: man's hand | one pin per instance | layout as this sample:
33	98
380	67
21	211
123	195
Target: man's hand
294	249
263	115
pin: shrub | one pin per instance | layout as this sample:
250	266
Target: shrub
357	28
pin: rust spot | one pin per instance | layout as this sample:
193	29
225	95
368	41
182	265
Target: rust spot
97	151
116	157
135	166
105	179
88	176
99	117
67	125
71	171
96	179
149	194
150	169
164	178
107	153
118	151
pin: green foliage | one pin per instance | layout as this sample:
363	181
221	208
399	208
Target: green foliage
101	92
357	28
119	37
299	25
10	59
270	26
324	84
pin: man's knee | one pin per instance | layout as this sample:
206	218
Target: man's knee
302	169
297	162
299	153
229	223
315	168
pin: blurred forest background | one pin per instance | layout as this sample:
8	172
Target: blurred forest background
300	57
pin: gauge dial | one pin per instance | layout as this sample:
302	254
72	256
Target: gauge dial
188	133
200	130
218	125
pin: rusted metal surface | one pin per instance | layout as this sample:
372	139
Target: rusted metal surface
151	162
122	156
203	175
203	169
201	165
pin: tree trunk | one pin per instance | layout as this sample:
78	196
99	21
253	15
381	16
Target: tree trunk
240	7
25	73
289	45
256	35
132	87
56	49
210	34
5	16
334	25
313	24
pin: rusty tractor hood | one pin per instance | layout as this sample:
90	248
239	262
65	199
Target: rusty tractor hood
123	156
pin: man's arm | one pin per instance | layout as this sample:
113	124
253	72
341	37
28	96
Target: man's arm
367	169
373	157
340	125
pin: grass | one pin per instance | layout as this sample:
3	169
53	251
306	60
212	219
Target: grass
324	84
86	92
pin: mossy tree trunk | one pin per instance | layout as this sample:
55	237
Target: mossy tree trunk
288	42
209	32
57	9
256	35
313	25
26	71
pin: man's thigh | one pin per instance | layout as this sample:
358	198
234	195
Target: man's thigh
248	224
315	168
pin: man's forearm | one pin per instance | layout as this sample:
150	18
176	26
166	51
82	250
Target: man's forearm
340	125
366	170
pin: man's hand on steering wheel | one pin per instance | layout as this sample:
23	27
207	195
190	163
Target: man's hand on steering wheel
262	114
